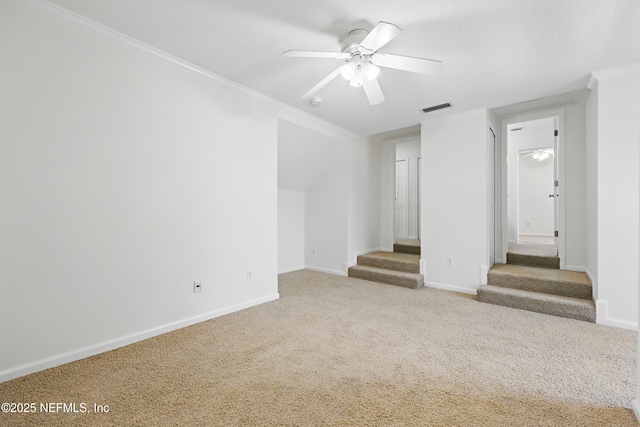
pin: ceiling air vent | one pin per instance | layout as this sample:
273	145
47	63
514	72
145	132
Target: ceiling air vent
436	107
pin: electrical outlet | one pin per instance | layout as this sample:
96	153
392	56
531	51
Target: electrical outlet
197	286
249	276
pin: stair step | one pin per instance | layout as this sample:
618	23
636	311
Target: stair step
535	279
555	305
407	246
389	277
533	256
391	261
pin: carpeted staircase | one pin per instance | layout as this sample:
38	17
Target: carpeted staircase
400	267
531	280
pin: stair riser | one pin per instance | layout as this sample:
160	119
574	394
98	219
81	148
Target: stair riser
389	279
567	289
570	311
389	264
406	249
534	261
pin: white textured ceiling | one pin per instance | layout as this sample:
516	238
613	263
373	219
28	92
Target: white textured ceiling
495	52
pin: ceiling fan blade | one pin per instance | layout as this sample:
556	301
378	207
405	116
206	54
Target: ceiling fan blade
407	63
373	91
323	82
315	54
381	34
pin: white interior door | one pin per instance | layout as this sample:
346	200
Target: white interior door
556	178
419	198
402	198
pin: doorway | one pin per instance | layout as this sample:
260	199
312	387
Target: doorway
532	187
407	189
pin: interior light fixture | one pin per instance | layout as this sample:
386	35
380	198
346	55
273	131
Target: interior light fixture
356	80
372	71
540	155
348	71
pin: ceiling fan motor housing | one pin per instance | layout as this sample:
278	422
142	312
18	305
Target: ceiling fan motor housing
353	40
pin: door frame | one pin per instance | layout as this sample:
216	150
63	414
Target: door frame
395	197
502	235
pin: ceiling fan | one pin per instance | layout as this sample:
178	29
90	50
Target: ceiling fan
360	52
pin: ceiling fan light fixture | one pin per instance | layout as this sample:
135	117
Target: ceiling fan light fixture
372	71
348	71
356	81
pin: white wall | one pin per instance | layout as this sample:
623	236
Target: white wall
326	218
575	186
591	265
363	194
305	149
123	178
636	402
618	197
410	149
290	230
455	183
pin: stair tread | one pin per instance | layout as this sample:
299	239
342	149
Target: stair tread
384	271
539	295
543	280
398	256
555	305
389	277
576	277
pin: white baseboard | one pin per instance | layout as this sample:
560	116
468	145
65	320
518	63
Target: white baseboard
636	408
92	350
290	269
387	249
326	270
603	318
451	288
577	268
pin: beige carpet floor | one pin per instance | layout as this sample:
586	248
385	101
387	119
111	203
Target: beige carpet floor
337	351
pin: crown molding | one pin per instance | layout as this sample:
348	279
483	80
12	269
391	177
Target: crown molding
57	12
612	73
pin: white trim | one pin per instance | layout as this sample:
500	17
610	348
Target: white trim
602	317
589	275
451	288
69	17
326	270
92	350
290	269
536	234
612	73
561	157
636	408
423	265
484	274
577	268
386	249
